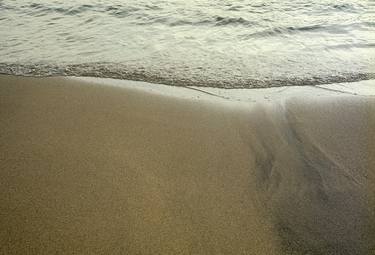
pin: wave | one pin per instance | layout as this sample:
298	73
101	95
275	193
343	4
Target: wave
290	30
353	45
118	71
37	8
121	11
146	14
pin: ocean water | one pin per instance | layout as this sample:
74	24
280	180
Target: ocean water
218	43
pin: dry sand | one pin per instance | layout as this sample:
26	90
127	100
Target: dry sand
90	169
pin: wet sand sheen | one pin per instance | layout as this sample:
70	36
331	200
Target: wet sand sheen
98	170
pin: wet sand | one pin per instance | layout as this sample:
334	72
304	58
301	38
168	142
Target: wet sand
92	169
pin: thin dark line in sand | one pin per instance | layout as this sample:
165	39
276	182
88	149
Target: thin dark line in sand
343	92
208	93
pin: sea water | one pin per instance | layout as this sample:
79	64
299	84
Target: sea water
217	43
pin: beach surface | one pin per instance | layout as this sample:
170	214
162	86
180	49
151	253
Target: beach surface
99	166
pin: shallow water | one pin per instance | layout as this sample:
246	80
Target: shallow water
204	43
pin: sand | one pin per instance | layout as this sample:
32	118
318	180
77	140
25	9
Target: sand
93	169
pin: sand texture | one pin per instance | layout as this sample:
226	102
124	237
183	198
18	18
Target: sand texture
90	169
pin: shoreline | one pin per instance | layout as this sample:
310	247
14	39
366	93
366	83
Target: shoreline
130	167
356	88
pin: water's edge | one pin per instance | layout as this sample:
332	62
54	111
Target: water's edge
122	72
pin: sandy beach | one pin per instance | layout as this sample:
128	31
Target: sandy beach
90	166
